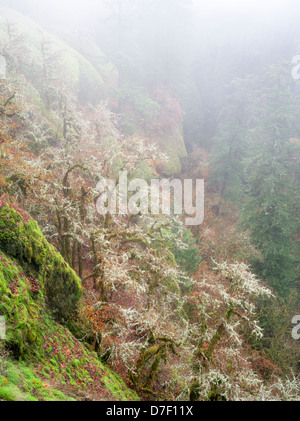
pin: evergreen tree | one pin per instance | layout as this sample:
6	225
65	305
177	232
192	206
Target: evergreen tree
271	197
231	144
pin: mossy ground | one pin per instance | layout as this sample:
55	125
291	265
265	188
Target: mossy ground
18	382
63	358
67	371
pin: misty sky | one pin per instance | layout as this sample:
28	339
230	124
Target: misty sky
78	10
234	24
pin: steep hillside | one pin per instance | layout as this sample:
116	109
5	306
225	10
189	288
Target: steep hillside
37	288
40	51
50	68
105	295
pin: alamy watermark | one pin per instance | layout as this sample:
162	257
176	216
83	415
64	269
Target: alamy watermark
2	328
296	329
2	68
158	197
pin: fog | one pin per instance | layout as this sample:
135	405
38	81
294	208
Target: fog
218	12
207	43
197	47
101	103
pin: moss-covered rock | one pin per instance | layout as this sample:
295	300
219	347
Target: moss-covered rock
18	306
173	146
80	76
23	240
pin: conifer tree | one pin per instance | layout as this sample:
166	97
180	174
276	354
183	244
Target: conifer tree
271	197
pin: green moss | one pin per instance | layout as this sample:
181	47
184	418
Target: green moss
58	282
33	333
117	387
17	306
71	67
72	364
173	146
20	383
